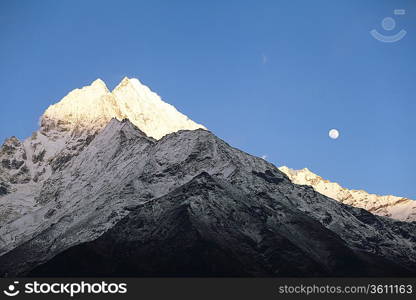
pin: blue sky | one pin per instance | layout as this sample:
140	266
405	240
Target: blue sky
269	77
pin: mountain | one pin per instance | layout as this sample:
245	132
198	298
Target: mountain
398	208
97	194
67	127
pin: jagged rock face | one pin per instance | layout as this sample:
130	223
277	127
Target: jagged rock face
399	208
189	204
15	177
12	158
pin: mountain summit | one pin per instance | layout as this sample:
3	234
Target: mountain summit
93	106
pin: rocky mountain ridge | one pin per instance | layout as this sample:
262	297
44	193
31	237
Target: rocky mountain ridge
398	208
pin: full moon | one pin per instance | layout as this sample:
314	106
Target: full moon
333	134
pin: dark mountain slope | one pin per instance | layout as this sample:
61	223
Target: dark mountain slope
206	228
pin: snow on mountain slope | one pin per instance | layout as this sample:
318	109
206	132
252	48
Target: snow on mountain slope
399	208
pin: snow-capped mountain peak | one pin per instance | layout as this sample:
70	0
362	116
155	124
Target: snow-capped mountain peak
90	107
99	83
145	109
68	126
93	106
